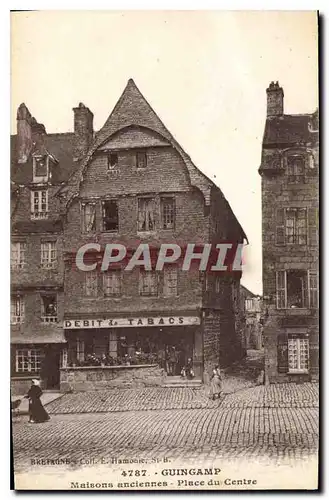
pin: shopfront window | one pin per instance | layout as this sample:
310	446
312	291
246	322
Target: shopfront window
115	348
28	360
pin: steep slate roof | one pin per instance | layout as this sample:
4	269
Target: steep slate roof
133	109
60	146
287	129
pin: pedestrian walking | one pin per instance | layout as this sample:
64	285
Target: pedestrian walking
37	412
215	383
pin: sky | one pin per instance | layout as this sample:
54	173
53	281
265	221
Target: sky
205	73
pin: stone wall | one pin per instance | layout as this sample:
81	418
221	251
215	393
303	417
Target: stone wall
102	377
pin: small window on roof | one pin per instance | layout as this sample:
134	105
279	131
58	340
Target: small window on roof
40	168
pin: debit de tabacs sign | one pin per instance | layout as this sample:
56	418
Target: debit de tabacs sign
70	324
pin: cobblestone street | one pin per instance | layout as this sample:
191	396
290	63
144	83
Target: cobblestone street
270	425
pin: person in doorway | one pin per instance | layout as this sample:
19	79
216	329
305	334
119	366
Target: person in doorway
162	357
216	383
172	361
187	370
37	411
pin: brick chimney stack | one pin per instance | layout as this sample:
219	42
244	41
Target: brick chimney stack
83	130
274	100
24	134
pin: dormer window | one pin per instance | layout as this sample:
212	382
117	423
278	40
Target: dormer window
40	168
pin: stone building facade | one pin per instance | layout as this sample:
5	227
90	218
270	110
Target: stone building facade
128	183
290	200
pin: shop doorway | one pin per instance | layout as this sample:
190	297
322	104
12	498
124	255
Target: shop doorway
50	373
178	349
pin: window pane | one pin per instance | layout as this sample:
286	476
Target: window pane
112	161
39	206
148	284
110	216
168	213
298	354
146	214
297	289
40	167
170	281
296	169
28	360
141	159
91	278
49	308
48	254
112	283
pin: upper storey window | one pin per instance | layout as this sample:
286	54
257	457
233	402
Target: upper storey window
39	204
40	168
168	212
296	169
18	252
298	226
146	214
141	159
110	216
88	212
296	289
112	161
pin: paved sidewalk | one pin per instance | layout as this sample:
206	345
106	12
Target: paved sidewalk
46	398
118	400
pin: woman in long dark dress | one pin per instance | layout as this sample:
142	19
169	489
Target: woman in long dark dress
36	410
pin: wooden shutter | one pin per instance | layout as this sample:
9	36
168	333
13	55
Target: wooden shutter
282	359
280	229
313	289
281	289
313	226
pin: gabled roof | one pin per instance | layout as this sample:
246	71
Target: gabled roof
288	130
132	109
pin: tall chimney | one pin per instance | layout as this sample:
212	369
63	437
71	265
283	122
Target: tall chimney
274	100
83	130
24	134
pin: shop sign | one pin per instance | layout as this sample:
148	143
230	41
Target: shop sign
70	324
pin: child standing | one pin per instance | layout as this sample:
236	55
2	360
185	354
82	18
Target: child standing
216	383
